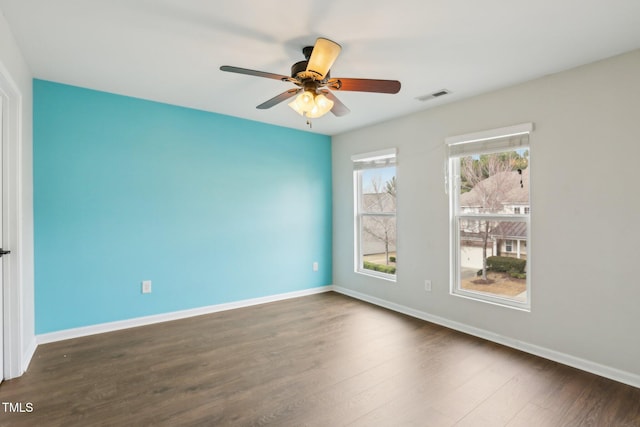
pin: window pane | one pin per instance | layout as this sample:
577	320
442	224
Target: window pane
376	220
503	245
378	243
379	189
495	183
489	182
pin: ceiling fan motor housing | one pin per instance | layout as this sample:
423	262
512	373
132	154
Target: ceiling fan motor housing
299	71
306	51
298	67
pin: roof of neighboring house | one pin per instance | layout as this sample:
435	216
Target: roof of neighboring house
501	189
510	230
504	230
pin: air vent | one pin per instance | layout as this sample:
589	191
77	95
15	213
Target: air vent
434	95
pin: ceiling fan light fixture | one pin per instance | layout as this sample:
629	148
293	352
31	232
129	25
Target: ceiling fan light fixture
303	102
323	103
322	106
296	106
306	99
311	104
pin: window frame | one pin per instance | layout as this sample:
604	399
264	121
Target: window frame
487	142
374	160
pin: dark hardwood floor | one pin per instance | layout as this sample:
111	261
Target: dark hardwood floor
322	360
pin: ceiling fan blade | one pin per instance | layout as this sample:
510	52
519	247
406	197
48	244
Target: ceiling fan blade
364	85
278	99
338	109
322	58
249	72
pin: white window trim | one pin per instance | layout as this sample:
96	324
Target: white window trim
372	157
375	155
504	132
454	145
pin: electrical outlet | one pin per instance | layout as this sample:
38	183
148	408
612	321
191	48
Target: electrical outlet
146	286
427	285
315	266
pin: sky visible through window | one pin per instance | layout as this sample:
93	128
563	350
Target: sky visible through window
379	175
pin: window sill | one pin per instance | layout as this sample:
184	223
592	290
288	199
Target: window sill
493	300
377	275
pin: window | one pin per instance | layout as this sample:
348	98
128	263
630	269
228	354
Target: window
375	213
508	246
488	175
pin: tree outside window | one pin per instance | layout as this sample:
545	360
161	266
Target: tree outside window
376	190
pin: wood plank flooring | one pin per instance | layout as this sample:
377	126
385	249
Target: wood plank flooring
322	360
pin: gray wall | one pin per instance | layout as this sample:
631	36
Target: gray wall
583	251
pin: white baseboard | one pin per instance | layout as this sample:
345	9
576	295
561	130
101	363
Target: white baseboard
165	317
566	359
28	354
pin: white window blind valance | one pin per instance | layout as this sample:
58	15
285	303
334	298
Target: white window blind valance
376	159
496	140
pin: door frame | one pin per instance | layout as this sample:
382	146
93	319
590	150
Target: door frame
12	280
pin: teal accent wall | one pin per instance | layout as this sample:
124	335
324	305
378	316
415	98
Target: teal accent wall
210	208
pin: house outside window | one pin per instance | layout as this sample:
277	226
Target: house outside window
488	175
375	213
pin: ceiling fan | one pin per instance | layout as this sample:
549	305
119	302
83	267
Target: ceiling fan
312	78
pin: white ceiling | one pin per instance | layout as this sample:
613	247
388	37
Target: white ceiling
171	50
